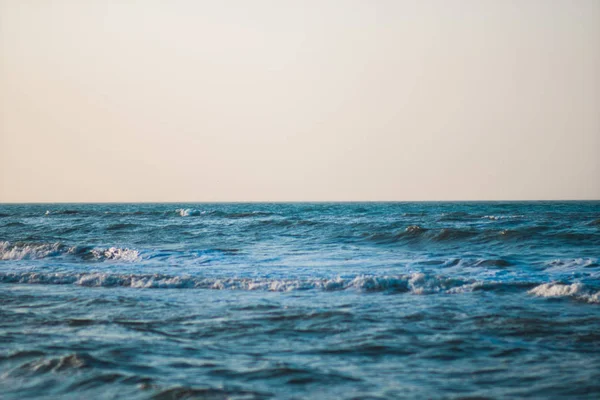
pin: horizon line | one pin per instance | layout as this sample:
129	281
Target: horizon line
300	201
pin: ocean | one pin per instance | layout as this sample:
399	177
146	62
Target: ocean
300	300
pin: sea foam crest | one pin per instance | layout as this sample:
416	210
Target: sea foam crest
187	212
117	254
499	217
29	251
575	290
571	263
416	283
34	251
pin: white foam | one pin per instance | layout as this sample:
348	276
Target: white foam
29	251
571	263
35	251
575	290
499	217
556	290
116	254
186	212
417	283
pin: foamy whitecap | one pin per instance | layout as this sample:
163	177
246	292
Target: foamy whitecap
35	251
115	253
186	212
575	290
415	283
29	251
499	217
571	264
556	290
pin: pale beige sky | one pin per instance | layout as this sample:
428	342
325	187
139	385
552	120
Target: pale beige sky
299	100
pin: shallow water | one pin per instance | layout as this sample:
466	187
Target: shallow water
306	300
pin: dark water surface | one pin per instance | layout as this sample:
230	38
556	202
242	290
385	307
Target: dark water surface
306	300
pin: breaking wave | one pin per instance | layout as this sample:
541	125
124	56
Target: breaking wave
416	283
575	290
499	217
35	251
25	251
187	212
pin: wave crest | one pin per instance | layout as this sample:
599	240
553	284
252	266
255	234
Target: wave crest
115	253
416	283
188	212
30	251
35	251
574	290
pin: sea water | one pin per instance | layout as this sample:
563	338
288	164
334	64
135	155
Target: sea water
300	300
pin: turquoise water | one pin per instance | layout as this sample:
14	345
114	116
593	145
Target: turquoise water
301	300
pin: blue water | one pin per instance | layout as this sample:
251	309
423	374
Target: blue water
306	300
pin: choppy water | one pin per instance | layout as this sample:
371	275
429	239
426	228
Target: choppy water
329	300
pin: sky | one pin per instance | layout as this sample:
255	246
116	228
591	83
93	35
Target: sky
270	100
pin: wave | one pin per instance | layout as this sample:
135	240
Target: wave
188	212
186	392
457	216
575	290
70	362
121	226
116	253
499	217
463	216
243	214
35	251
416	283
63	212
183	212
12	224
414	233
26	251
574	264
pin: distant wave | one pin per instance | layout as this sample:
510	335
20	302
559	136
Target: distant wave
188	212
463	216
62	212
457	216
35	251
499	217
415	233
